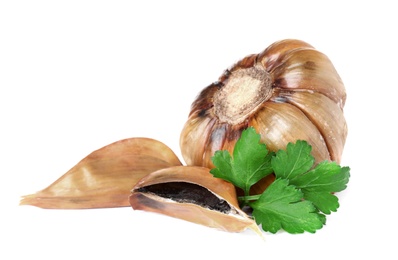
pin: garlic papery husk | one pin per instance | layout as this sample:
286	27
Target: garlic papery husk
193	194
105	177
288	92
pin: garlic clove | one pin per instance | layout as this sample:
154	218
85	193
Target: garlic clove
281	123
191	193
309	69
194	143
326	115
207	135
272	56
105	177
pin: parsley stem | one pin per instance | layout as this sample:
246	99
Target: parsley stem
247	198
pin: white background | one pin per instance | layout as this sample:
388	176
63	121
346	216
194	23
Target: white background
78	75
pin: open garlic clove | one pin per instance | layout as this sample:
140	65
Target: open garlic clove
191	193
105	177
288	92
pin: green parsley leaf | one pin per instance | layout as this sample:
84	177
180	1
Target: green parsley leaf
301	192
296	160
251	161
282	206
319	184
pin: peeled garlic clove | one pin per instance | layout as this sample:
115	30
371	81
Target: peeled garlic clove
105	177
191	193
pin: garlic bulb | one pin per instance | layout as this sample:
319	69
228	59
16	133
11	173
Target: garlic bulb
288	92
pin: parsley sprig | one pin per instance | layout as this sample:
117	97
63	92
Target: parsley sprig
302	192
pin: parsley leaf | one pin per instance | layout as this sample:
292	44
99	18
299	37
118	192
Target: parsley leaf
301	191
319	184
296	160
250	162
282	206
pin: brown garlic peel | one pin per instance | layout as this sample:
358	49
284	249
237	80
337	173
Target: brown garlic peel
288	92
105	177
191	193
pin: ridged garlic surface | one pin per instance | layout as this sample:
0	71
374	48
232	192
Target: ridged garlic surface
288	92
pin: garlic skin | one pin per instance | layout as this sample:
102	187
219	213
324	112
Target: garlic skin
288	92
104	178
193	194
